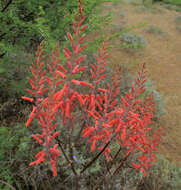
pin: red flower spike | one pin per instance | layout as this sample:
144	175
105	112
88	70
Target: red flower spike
105	119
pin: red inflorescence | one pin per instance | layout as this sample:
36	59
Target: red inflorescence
124	120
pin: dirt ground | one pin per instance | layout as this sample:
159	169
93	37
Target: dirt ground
162	56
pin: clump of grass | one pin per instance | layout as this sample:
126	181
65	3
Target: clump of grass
152	29
172	7
178	19
135	2
132	41
141	9
178	22
179	28
148	3
122	14
156	9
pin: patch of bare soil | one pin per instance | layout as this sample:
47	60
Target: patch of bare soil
162	56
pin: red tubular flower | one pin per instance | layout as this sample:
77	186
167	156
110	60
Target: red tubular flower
52	162
32	115
27	98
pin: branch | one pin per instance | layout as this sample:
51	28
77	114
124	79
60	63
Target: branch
8	185
99	181
97	156
2	55
1	36
6	6
66	157
79	133
120	165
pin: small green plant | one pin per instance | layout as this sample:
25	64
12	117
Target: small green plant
156	9
135	2
152	29
178	22
14	150
147	3
132	41
141	9
163	175
178	19
179	28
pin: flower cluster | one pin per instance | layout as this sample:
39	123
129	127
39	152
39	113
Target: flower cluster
106	118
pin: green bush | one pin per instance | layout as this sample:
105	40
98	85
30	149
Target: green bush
24	24
164	175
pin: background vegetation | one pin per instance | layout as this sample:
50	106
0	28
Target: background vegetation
23	25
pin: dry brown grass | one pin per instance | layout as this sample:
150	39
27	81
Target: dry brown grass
163	59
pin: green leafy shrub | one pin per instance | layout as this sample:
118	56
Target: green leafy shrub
132	41
14	70
163	175
24	24
14	147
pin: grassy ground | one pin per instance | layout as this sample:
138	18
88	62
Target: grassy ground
161	54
